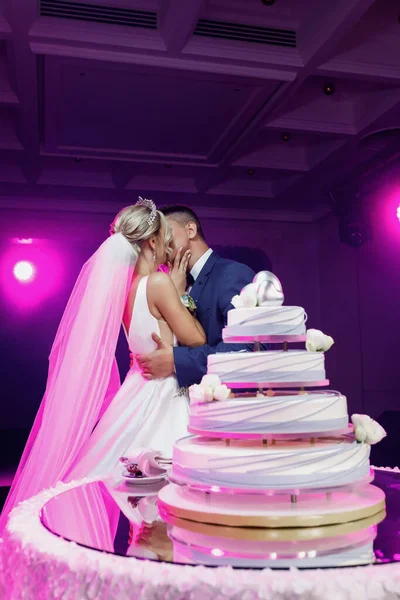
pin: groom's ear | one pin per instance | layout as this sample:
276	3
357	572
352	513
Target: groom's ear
191	229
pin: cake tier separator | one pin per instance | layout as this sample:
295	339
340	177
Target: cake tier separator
269	492
263	339
269	437
342	507
270	385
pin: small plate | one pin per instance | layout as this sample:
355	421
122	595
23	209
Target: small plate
143	480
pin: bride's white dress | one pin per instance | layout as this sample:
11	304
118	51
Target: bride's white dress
151	414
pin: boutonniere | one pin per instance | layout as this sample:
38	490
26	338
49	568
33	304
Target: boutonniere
189	303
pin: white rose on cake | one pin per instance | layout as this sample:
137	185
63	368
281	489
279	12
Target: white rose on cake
221	392
197	393
367	430
247	297
209	389
210	381
208	394
317	341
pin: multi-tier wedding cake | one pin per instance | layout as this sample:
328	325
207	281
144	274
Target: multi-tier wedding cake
281	455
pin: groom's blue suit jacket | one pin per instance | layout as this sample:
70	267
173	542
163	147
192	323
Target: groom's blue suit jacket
219	280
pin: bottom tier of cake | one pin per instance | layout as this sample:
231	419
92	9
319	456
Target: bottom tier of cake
286	464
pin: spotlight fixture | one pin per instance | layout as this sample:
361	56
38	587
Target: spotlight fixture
250	172
77	160
354	227
268	2
398	212
329	89
353	234
285	137
353	218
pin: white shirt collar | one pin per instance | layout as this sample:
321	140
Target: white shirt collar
199	264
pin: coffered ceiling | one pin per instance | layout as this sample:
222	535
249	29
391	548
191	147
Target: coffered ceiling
213	102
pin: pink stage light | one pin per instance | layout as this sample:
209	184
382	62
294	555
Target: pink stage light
24	271
387	216
31	272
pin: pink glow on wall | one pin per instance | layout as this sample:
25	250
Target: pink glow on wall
31	272
386	215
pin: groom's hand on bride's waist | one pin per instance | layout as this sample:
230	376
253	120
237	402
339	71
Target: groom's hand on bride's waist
157	364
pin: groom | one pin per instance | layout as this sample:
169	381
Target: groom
212	283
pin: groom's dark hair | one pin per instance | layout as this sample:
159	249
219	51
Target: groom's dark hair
183	214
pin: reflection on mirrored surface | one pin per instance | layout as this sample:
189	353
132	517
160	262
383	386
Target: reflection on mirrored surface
124	519
323	547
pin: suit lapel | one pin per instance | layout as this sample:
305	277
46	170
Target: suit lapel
200	282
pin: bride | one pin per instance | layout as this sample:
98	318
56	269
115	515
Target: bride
87	420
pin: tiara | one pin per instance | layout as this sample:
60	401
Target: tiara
148	204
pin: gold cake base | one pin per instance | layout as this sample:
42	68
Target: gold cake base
275	512
285	534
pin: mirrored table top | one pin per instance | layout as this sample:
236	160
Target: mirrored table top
124	519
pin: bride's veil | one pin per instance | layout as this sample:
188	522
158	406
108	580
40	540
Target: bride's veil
83	375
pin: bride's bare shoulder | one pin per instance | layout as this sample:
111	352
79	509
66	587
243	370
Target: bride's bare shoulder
160	288
159	280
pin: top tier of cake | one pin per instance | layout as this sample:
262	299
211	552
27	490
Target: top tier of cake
265	321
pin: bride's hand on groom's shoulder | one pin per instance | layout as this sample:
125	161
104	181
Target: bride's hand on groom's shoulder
178	270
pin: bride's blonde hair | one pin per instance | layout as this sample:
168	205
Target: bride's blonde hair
139	222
